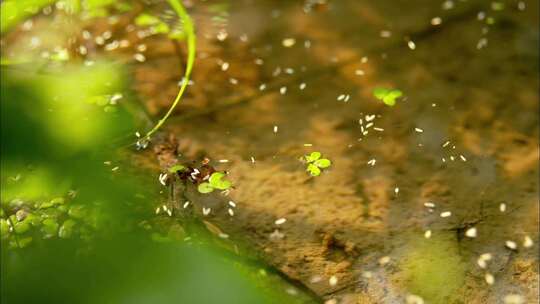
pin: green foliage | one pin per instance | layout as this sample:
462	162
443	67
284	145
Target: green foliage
14	11
216	181
190	34
177	168
315	163
388	96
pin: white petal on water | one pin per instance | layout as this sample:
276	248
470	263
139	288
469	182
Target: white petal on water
280	221
471	232
446	214
511	245
528	242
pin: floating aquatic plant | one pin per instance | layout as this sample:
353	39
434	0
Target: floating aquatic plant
216	181
388	96
315	163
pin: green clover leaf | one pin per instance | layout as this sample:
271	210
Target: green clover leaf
388	96
313	170
313	157
216	181
323	163
177	168
205	188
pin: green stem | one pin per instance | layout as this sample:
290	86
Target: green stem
190	34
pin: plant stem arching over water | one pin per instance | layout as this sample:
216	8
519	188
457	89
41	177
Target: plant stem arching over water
190	34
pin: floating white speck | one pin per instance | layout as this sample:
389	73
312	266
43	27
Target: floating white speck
252	160
225	66
427	234
372	162
302	86
396	190
527	242
231	212
288	42
514	299
360	72
163	178
341	97
418	130
262	87
429	205
462	157
502	207
446	143
414	299
158	210
139	57
521	5
490	279
471	232
259	61
283	90
206	211
385	34
436	21
233	81
222	35
511	245
275	129
367	274
333	281
232	204
315	279
446	214
186	204
411	44
378	129
384	260
280	221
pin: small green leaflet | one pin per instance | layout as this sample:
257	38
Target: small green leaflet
315	163
388	96
216	181
177	168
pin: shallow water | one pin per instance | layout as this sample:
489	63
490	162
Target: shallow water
275	80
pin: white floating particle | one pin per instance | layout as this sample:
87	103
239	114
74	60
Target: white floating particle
414	299
486	256
232	204
223	235
511	245
372	162
139	57
429	205
490	279
223	160
222	35
396	190
378	129
360	72
514	299
115	168
527	242
259	61
502	207
225	66
308	145
471	232
367	274
364	59
462	157
411	44
521	5
341	97
206	211
288	42
384	260
307	44
158	210
427	234
446	214
315	279
333	281
283	90
418	130
446	143
186	204
275	129
262	87
302	86
162	178
481	263
436	21
231	212
330	301
233	81
252	160
280	221
385	34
